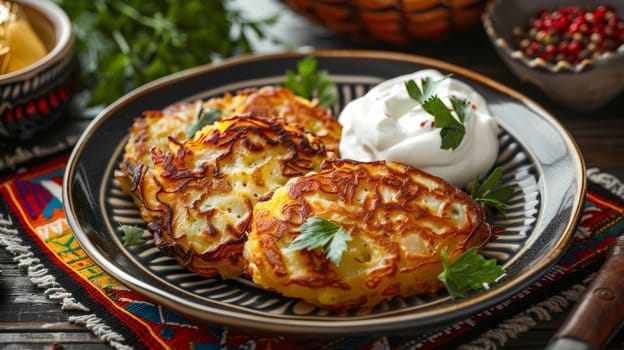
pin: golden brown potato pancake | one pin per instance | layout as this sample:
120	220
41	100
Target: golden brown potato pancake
271	102
154	128
200	193
399	219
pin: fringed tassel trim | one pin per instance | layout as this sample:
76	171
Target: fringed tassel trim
101	330
40	277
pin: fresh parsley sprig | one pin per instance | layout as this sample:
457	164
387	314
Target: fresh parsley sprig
202	118
122	44
428	87
489	194
309	82
132	235
453	129
469	271
318	232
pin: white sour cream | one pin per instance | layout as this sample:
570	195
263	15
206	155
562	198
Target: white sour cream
386	124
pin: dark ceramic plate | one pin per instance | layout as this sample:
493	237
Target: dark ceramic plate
540	161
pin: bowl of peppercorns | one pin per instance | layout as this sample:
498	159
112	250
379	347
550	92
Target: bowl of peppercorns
572	50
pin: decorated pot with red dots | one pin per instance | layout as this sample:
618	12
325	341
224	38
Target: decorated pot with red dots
34	97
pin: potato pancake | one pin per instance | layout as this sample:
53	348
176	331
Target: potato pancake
154	128
271	102
398	217
200	193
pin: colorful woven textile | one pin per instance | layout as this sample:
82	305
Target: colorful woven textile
32	217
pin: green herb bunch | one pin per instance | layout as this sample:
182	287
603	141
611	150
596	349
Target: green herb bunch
318	232
132	235
310	82
490	193
469	271
122	44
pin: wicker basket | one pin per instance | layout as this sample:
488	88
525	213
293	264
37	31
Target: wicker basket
392	21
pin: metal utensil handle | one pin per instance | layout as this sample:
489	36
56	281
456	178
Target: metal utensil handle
599	313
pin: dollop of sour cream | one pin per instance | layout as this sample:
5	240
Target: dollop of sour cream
386	124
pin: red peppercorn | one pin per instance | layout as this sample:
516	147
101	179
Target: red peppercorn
550	49
599	13
574	46
538	24
535	46
562	47
561	23
613	22
574	27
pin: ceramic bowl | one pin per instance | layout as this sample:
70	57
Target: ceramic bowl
583	86
392	21
34	97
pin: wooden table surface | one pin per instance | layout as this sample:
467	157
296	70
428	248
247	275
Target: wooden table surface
28	320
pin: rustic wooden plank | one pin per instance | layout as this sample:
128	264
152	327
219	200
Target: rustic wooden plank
600	139
41	326
46	345
48	338
29	320
64	346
